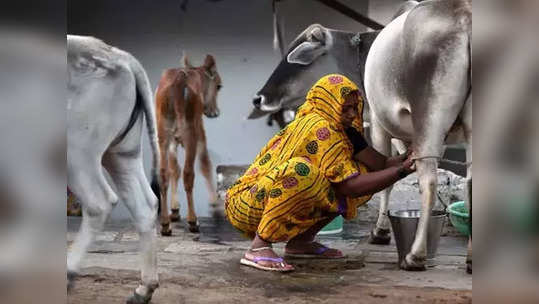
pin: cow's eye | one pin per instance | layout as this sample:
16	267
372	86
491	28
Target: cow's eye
219	87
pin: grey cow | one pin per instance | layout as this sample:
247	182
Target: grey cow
108	97
417	79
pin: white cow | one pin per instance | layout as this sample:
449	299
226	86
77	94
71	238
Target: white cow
108	96
418	85
417	78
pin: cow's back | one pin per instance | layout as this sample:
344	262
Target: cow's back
101	92
405	56
169	97
178	102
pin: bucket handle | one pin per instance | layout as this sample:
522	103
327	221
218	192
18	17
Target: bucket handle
446	214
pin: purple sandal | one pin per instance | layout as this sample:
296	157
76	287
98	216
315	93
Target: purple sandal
318	254
255	260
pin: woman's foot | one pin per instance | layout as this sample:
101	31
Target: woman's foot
313	249
265	258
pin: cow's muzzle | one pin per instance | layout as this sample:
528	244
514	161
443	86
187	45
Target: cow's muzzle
260	102
212	112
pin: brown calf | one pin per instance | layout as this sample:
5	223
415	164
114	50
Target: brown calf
183	95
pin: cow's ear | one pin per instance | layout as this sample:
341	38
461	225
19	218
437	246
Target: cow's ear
306	53
209	62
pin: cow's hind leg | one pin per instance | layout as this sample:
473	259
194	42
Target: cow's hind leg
468	129
90	226
175	171
127	171
469	204
427	175
437	96
87	182
381	140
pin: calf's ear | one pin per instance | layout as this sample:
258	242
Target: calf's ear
306	53
186	62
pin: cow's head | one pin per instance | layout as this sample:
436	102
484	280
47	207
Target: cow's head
316	52
211	85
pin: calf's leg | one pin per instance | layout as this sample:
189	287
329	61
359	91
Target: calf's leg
175	171
206	170
188	181
163	188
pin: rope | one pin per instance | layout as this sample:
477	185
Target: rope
444	160
437	190
440	199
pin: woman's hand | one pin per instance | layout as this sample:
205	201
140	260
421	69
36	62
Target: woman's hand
408	166
399	159
376	181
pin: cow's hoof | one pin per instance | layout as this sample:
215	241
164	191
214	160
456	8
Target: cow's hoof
174	215
380	236
71	275
165	230
413	263
95	210
469	267
193	227
74	212
138	299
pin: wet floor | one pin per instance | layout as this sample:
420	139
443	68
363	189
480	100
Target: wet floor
205	268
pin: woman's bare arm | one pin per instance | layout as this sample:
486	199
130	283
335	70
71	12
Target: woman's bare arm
371	158
376	181
363	153
375	161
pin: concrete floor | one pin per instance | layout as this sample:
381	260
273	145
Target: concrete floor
204	268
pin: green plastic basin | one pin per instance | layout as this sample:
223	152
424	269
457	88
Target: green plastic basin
459	217
333	227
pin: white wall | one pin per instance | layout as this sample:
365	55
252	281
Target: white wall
239	34
383	10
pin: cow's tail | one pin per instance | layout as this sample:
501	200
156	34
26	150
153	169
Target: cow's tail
144	92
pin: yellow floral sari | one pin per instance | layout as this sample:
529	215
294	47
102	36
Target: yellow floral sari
288	188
